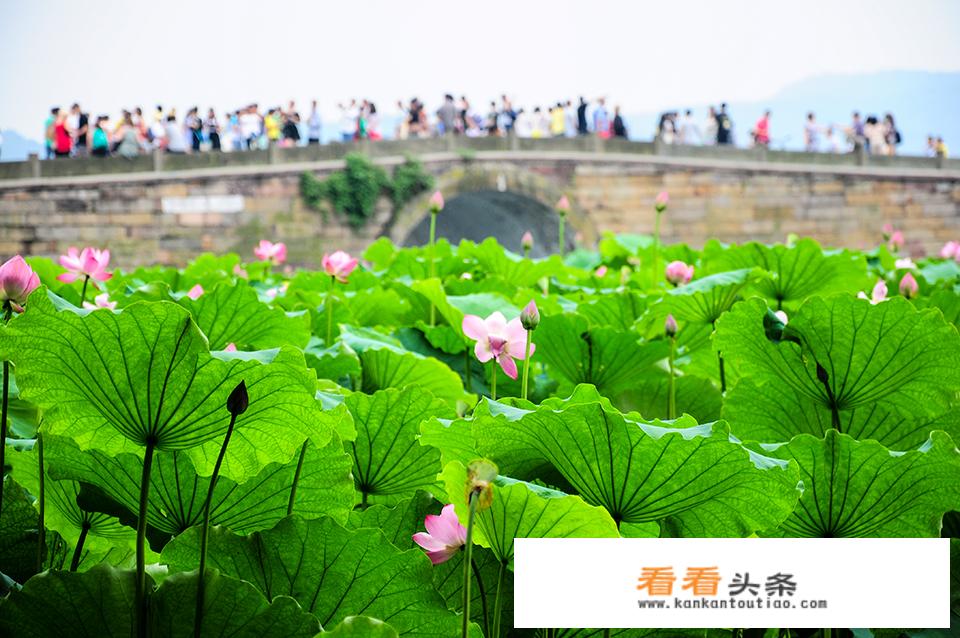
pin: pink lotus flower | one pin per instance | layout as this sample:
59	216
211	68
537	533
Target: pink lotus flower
17	281
660	203
527	240
195	292
231	347
563	205
268	251
339	265
496	339
908	286
679	273
436	202
240	271
950	250
89	262
100	301
600	272
444	536
878	294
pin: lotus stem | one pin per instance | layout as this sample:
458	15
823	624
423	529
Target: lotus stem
296	478
498	601
202	572
41	527
433	261
672	383
560	238
483	597
606	633
723	376
493	379
8	312
526	365
333	285
656	249
78	550
140	600
467	562
466	369
83	291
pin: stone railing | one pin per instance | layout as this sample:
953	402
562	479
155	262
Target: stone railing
159	162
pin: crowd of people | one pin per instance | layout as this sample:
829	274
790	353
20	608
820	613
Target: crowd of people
73	133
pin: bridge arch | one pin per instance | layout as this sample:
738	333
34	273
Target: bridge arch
500	200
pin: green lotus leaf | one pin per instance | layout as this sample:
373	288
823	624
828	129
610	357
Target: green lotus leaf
331	571
99	603
525	510
388	459
704	300
859	488
888	357
113	381
796	272
691	479
610	359
177	492
234	314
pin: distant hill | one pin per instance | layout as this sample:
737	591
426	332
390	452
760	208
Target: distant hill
923	103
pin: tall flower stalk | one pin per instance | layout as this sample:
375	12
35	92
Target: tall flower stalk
526	244
41	501
659	205
237	404
670	329
338	265
436	205
529	319
563	209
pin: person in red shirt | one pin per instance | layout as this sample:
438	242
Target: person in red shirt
62	136
761	132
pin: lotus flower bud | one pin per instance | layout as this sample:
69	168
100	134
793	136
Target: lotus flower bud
908	286
950	250
563	206
600	272
530	316
660	203
526	242
678	273
238	400
670	326
436	202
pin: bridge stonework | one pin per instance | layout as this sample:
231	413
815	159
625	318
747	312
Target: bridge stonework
168	211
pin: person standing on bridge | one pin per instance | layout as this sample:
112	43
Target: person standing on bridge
761	132
724	126
619	128
62	136
811	134
688	131
601	120
710	128
447	114
314	125
582	128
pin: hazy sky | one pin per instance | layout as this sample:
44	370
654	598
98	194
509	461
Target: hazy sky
642	55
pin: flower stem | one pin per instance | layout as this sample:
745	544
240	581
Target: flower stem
560	238
526	365
83	292
140	604
333	284
3	429
466	369
41	528
483	597
498	601
467	562
78	550
493	379
201	574
433	262
656	249
296	478
672	387
606	633
723	377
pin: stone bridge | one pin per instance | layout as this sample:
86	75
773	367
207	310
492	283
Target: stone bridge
168	209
